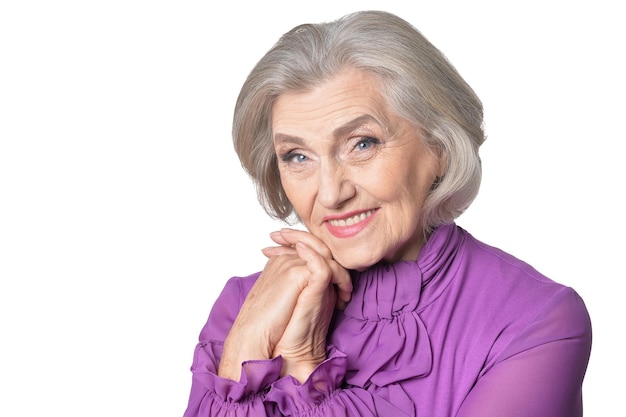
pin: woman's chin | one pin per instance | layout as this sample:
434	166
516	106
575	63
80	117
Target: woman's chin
356	263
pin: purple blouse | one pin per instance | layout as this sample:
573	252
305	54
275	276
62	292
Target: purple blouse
466	331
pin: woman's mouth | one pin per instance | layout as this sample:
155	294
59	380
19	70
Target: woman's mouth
349	225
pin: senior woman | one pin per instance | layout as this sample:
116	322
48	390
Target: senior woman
364	132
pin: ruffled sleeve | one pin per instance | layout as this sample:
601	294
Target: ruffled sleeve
261	391
323	394
212	395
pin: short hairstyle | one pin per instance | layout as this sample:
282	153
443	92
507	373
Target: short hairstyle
417	80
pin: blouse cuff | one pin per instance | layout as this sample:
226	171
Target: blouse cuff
292	398
256	375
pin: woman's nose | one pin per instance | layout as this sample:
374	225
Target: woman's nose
335	185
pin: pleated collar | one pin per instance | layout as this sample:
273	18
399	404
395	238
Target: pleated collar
380	330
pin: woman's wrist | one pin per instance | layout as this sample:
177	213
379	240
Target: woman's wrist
301	367
300	371
238	349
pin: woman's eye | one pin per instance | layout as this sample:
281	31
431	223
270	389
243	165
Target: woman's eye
294	157
366	143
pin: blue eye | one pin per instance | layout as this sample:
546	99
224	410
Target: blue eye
294	157
366	143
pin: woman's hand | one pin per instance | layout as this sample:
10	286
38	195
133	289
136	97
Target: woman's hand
303	343
288	310
287	239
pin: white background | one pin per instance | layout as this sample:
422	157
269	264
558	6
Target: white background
123	208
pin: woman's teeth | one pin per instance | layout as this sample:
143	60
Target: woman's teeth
351	220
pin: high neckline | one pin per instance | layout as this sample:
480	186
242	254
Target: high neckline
381	326
385	289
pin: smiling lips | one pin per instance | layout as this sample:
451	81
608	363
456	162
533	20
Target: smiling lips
349	226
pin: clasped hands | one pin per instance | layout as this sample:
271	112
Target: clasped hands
289	308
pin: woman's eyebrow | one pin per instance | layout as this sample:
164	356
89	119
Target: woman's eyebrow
354	124
340	132
282	138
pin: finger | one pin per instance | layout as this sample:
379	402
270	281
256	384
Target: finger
292	236
331	272
339	275
277	251
342	280
278	238
317	265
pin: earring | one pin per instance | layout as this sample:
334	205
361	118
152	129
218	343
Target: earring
436	183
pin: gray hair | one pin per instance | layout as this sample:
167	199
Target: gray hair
417	80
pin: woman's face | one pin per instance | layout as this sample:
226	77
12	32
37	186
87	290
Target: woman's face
356	174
